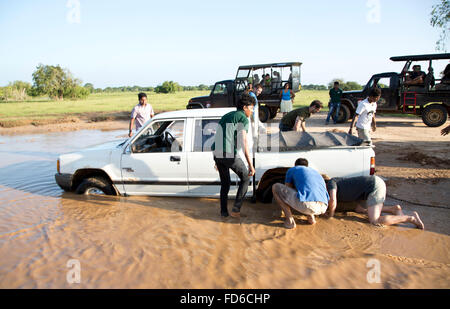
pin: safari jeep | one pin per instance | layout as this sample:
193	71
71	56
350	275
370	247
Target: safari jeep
226	93
430	100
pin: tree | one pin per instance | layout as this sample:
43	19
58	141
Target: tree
168	87
57	83
440	16
89	86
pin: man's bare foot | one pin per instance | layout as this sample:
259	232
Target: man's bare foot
416	220
290	223
311	220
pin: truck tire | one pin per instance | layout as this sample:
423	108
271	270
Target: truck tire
267	196
95	186
264	113
344	114
434	115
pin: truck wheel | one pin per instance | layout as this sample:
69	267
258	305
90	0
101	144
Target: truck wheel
264	113
267	196
273	112
95	186
434	115
344	114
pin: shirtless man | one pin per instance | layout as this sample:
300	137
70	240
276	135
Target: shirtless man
370	193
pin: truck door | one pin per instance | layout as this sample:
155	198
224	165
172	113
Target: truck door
220	95
155	163
203	178
389	91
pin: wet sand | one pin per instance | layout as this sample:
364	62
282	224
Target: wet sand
148	242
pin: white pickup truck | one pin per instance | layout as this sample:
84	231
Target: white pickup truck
171	156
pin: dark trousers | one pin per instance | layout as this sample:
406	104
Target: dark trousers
236	165
284	128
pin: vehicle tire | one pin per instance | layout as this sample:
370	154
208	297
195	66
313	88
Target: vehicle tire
264	113
273	112
95	186
344	114
434	115
267	196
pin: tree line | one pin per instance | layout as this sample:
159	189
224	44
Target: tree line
58	83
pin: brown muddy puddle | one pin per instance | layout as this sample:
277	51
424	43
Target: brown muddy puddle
146	242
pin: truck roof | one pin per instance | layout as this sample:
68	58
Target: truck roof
260	66
191	113
422	57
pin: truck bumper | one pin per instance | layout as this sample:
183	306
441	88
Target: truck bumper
64	181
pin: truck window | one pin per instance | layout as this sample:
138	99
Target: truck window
161	136
220	89
205	131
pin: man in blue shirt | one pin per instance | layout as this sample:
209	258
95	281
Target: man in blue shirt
304	190
256	124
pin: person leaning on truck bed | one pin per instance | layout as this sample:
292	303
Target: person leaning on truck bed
365	115
231	136
140	114
370	193
294	120
304	190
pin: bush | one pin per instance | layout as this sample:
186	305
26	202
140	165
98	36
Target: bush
16	91
168	87
76	92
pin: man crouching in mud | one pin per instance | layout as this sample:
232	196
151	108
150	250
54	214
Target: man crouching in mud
230	137
369	192
304	190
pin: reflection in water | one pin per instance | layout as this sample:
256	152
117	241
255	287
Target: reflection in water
148	242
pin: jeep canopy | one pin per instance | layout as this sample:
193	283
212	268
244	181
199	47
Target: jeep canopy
421	57
279	74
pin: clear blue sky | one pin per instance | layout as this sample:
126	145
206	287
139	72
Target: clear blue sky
136	42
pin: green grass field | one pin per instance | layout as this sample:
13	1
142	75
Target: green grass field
106	106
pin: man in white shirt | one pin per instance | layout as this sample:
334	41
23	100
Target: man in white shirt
140	114
365	115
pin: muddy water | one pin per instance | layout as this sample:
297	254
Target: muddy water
144	242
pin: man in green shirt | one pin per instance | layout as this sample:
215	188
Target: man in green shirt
295	119
231	136
335	102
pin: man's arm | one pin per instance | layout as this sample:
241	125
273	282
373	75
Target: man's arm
299	122
251	170
332	202
355	118
130	131
374	123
